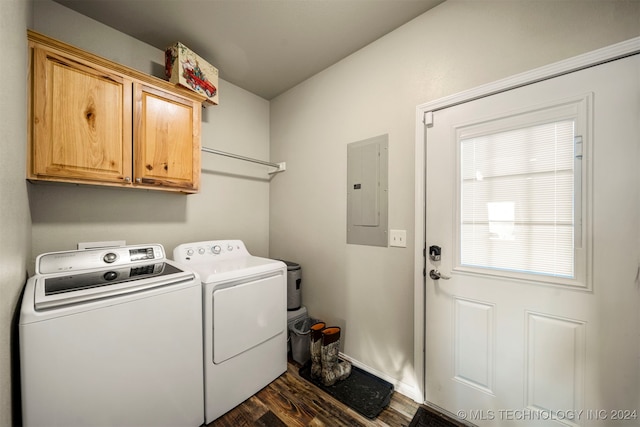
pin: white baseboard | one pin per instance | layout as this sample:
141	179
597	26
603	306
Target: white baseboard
405	389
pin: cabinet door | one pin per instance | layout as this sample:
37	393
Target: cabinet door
81	121
166	139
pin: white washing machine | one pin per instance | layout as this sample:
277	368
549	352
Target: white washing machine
111	337
245	320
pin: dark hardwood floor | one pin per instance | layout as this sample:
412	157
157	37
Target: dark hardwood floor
292	401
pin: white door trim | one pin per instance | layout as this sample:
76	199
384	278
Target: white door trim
606	54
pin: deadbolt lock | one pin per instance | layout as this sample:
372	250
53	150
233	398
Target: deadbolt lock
435	253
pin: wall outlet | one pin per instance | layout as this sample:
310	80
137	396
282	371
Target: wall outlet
398	238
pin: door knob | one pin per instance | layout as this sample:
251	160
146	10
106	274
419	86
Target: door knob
436	275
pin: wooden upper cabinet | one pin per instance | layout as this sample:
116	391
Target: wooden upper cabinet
96	122
81	121
166	131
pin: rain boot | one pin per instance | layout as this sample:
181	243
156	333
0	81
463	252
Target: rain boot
333	369
316	343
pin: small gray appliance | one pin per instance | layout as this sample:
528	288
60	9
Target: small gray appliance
294	280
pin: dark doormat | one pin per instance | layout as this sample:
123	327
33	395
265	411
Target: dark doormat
426	418
362	391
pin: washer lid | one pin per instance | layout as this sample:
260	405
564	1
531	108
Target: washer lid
52	291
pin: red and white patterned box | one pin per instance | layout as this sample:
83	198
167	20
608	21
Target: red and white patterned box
184	67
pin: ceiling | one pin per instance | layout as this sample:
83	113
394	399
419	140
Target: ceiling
263	46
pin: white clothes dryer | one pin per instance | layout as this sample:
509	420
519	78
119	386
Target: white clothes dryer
245	320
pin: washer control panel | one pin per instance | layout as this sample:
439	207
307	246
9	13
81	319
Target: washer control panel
55	262
210	250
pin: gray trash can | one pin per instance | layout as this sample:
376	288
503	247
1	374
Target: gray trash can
294	281
299	332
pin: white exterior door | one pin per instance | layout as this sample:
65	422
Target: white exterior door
536	343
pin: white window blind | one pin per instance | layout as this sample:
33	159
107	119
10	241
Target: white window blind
517	200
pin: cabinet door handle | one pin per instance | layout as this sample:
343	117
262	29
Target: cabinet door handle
138	180
127	179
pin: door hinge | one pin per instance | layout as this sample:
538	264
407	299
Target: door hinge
428	118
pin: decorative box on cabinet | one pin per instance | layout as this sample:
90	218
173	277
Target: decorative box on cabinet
96	122
184	67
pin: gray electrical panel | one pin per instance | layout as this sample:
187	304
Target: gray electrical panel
367	191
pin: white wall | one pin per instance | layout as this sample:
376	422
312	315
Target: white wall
15	222
234	197
456	46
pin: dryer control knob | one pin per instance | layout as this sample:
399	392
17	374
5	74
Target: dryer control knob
201	251
189	252
216	249
229	248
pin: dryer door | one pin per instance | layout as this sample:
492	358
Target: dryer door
247	314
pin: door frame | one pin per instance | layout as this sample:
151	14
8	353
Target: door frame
424	116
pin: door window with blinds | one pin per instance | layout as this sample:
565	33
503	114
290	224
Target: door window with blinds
522	189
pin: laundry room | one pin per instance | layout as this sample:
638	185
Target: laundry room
300	214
